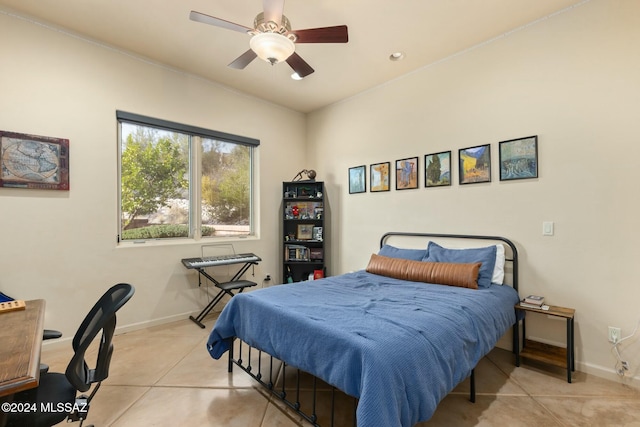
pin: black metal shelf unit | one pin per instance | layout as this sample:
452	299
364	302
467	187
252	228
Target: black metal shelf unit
303	243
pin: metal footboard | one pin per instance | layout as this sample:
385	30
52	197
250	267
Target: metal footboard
273	376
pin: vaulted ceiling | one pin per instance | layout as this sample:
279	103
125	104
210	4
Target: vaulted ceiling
426	31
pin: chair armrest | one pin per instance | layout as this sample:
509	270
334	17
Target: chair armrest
49	334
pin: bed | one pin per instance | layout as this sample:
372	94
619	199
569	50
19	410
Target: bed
397	335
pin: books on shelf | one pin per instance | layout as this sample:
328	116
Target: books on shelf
524	304
532	301
296	253
316	254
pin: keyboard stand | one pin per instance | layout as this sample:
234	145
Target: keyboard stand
226	288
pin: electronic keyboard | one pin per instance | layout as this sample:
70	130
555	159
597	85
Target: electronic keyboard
213	261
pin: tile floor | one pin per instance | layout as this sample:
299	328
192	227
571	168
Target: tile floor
163	376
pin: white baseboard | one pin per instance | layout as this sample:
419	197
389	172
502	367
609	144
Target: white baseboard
154	322
608	374
65	340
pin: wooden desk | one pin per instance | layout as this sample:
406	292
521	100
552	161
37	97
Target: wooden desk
20	345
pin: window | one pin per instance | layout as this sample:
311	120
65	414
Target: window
180	181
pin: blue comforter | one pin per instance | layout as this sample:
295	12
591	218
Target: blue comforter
398	346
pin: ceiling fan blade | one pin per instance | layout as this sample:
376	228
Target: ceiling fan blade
211	20
273	10
338	34
299	65
243	60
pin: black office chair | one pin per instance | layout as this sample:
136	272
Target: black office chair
55	397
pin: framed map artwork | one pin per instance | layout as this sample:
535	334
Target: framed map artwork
31	161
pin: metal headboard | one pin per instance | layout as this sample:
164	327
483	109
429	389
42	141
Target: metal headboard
514	251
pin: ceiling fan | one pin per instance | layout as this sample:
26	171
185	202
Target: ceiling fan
272	38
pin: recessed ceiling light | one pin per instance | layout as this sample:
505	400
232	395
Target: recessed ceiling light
295	76
396	56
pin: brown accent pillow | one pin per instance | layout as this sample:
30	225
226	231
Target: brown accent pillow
442	273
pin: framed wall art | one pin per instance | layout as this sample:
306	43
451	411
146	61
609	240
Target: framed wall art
379	176
475	164
407	173
357	179
31	161
305	232
437	169
519	158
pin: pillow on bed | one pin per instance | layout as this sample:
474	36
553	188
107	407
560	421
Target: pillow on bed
393	252
441	273
486	256
498	269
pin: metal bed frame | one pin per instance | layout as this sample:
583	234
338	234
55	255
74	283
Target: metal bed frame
267	376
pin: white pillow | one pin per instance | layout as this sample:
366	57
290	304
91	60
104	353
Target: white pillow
498	270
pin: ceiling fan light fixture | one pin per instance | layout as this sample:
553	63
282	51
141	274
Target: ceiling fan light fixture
272	47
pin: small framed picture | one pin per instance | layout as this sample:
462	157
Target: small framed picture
357	179
475	164
519	158
317	233
407	173
379	176
307	192
305	232
437	169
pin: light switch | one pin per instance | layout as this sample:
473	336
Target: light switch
547	228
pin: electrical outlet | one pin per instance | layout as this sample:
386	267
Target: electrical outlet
614	334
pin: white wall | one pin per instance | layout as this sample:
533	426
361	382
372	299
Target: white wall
573	80
61	246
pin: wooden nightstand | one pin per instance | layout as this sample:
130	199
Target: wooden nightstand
553	355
